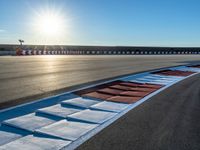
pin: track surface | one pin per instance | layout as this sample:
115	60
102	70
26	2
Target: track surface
32	77
168	121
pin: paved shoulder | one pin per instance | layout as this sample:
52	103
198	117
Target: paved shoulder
169	121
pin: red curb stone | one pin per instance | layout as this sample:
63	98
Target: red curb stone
145	85
131	84
150	90
97	95
135	94
110	91
121	87
95	88
174	73
124	99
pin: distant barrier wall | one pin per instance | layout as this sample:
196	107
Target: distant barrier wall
20	52
2	53
85	52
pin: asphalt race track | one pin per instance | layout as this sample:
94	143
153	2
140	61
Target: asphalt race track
27	78
168	121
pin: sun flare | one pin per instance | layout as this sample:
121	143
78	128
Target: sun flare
50	24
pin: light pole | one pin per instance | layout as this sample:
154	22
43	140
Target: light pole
21	42
19	49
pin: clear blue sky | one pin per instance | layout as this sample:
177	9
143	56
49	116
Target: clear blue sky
106	22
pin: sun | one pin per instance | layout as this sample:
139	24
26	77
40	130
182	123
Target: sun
50	24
